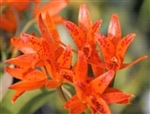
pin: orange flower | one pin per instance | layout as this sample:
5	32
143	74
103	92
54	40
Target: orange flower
114	48
13	9
84	38
93	93
44	53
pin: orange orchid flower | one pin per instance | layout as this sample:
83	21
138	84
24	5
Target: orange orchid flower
95	93
8	18
30	77
43	53
114	48
84	38
12	8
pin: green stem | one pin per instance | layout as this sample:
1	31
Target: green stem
30	23
61	94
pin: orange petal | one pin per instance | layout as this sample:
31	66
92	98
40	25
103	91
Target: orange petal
72	104
27	85
80	69
110	89
32	41
115	97
58	19
114	30
51	69
126	102
125	65
91	33
64	61
52	84
16	96
15	72
84	19
22	46
23	60
48	52
107	47
123	44
99	104
34	75
100	83
53	7
77	35
51	27
80	89
67	74
95	62
44	31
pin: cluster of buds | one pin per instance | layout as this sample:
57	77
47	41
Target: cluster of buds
47	62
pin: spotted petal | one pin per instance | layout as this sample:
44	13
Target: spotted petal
100	83
84	19
107	47
64	61
76	33
27	85
114	30
123	44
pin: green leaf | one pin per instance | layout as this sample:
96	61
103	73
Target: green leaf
29	102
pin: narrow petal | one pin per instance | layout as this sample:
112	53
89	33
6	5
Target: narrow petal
51	69
47	52
51	27
94	60
123	45
67	74
91	33
107	47
27	85
125	65
77	35
58	19
53	7
64	61
99	104
114	30
44	31
100	83
22	46
23	60
52	84
32	41
33	75
84	19
80	69
80	89
115	97
126	102
16	96
72	104
15	72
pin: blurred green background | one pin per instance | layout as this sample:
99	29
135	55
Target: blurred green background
134	17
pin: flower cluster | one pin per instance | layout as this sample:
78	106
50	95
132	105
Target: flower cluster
47	62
